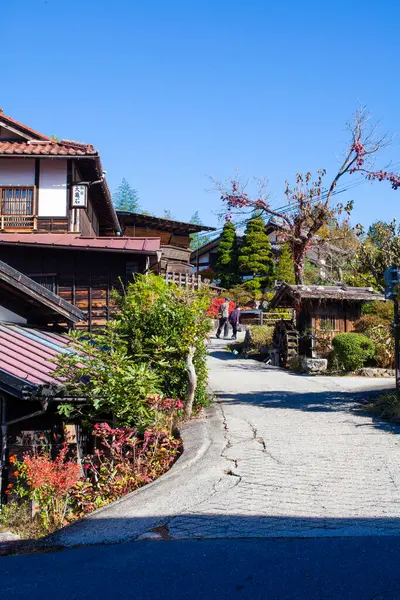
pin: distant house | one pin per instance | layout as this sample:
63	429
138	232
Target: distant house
58	224
174	235
319	312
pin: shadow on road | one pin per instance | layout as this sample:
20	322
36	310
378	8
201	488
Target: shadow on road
353	568
354	402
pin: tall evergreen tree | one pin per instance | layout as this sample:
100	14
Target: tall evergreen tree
255	256
197	239
227	257
126	198
285	267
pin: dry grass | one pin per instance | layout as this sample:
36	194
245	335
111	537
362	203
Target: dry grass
386	406
17	518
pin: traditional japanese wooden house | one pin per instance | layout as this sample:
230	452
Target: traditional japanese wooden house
174	236
319	313
58	224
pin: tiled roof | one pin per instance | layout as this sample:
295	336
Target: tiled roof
26	355
73	240
18	125
49	148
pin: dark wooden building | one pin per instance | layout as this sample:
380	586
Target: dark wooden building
82	270
319	313
174	237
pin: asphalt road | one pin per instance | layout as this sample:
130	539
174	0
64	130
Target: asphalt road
363	568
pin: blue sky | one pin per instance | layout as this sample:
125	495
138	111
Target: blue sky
171	92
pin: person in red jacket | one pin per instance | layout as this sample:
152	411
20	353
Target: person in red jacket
234	319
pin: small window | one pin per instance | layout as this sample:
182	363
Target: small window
327	322
47	281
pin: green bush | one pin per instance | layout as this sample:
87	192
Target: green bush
259	337
380	331
384	310
352	350
143	350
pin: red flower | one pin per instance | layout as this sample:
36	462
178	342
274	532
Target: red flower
16	473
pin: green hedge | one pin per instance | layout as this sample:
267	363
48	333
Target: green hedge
352	350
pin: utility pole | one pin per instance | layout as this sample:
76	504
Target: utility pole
397	342
392	289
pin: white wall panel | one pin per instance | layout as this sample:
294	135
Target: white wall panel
17	171
53	188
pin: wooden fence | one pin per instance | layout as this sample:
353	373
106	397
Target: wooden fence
190	280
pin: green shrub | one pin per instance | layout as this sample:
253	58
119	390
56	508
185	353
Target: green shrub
384	310
261	336
157	330
352	350
380	331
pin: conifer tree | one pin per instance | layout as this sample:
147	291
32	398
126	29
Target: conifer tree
227	257
197	240
285	267
255	256
126	198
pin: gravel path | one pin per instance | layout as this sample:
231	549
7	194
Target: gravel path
300	457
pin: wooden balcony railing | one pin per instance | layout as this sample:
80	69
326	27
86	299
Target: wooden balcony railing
18	208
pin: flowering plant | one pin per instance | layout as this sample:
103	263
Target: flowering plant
122	462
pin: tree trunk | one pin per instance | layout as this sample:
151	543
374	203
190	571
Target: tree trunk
192	382
299	254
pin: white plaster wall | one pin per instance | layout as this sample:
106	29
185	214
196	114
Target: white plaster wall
17	171
53	188
11	317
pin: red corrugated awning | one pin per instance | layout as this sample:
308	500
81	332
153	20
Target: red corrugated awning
75	241
26	355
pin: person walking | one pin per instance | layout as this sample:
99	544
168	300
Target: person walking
234	319
223	314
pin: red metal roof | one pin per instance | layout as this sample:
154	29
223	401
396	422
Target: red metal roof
25	354
73	240
46	148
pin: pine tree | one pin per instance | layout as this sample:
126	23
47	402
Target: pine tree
196	239
255	257
227	257
284	266
126	198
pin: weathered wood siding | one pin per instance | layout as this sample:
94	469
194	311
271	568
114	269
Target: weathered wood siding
84	278
167	238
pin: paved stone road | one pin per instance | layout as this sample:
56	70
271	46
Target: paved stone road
300	458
